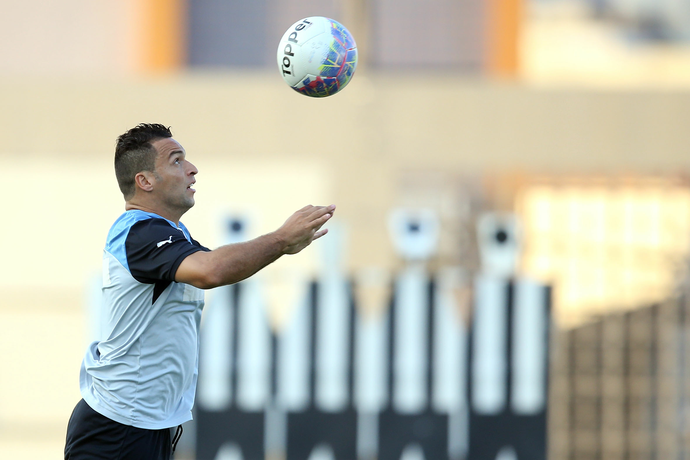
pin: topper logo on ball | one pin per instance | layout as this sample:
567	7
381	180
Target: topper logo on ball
317	56
287	51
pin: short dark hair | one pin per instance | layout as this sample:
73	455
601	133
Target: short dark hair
134	153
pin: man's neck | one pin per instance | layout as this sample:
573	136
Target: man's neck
132	205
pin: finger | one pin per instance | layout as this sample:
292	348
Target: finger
317	223
319	234
319	211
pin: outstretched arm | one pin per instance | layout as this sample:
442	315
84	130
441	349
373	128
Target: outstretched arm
234	262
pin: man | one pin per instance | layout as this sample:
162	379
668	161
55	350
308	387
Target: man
139	380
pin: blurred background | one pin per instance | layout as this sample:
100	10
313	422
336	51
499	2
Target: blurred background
561	123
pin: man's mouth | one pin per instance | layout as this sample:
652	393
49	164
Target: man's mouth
191	187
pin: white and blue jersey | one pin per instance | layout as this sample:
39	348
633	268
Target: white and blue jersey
143	370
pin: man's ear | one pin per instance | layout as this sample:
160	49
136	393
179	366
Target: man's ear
145	180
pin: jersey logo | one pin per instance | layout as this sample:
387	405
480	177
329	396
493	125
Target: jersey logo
161	243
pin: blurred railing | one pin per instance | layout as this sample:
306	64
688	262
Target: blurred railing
620	386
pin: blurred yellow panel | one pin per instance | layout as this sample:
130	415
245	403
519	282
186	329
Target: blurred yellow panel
645	217
605	247
538	204
539	266
675	213
593	215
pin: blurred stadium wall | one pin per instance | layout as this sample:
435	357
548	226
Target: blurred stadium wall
430	120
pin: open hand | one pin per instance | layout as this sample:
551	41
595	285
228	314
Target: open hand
304	226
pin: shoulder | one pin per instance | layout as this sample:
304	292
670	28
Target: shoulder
150	246
136	222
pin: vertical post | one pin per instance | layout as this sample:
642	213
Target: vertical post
504	18
164	35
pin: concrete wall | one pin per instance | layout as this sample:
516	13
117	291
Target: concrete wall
365	139
41	37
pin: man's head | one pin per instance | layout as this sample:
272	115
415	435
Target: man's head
153	171
135	153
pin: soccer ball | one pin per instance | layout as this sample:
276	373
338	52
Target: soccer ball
317	56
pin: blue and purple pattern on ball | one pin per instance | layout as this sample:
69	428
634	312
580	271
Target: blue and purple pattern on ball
337	68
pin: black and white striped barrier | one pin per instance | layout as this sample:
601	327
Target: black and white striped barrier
407	381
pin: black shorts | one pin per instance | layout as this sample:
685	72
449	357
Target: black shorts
92	436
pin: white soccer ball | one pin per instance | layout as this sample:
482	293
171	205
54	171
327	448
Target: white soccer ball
317	56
